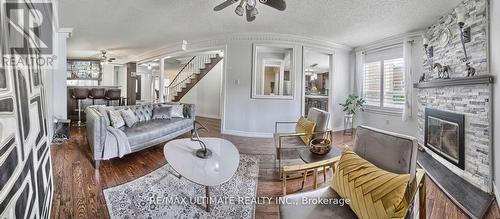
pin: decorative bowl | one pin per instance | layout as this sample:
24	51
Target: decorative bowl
320	146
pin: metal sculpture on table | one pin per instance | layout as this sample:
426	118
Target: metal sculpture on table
203	152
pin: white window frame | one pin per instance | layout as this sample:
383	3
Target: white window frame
381	109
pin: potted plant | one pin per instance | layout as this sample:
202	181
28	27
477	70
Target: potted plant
352	105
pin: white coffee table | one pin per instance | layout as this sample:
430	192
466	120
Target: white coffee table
211	171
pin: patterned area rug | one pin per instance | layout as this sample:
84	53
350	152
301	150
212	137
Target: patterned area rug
160	194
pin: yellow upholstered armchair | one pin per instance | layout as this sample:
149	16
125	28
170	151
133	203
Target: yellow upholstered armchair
387	151
293	140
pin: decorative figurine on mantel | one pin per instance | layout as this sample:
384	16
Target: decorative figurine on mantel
443	71
422	78
470	70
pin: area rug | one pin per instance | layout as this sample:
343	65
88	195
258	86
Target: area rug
161	194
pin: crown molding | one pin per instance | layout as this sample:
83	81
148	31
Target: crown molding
389	40
215	42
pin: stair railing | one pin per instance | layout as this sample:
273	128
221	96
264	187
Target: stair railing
188	73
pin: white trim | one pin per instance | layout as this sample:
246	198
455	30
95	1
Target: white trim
286	38
388	41
384	111
208	116
495	192
247	134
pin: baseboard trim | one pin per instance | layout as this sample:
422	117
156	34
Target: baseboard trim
247	134
208	116
495	193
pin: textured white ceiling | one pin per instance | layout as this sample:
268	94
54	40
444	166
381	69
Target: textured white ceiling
131	27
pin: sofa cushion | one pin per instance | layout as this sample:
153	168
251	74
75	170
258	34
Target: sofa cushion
176	110
129	117
116	118
295	208
162	112
153	129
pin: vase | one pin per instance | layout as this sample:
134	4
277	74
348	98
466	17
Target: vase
348	124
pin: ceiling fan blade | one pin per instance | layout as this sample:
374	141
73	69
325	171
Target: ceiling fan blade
250	18
225	4
277	4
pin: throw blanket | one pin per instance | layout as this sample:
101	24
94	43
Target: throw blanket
116	144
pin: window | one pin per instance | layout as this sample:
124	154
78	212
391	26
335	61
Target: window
383	80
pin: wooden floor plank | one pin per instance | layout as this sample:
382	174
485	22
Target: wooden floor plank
78	187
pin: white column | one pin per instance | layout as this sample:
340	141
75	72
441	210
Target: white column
59	86
162	75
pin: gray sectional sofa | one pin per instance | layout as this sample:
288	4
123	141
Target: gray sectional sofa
146	133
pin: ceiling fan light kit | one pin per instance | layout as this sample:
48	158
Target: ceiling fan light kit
250	6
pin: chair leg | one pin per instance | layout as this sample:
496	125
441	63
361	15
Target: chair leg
324	174
422	202
284	185
315	175
304	179
279	162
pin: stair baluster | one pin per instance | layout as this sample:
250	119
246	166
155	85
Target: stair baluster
190	74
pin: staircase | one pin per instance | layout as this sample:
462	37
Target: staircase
190	74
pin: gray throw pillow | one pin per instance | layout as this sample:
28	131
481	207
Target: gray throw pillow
115	118
129	117
162	112
177	110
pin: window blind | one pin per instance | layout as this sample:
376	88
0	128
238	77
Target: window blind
394	94
383	79
371	83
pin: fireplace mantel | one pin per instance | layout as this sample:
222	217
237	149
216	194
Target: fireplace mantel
480	79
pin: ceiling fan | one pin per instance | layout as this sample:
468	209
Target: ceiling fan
105	58
250	6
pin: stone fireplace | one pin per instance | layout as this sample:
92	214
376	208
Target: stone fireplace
454	115
472	102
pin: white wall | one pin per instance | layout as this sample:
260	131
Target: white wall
393	122
206	94
243	115
146	83
122	79
59	86
343	71
108	74
495	69
255	117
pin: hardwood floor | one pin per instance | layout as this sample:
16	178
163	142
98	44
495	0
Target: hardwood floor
78	187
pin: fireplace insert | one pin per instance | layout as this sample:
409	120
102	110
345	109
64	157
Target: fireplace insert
444	134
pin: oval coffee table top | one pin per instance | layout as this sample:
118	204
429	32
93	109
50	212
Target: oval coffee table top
215	170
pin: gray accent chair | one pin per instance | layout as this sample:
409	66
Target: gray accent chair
144	134
292	140
389	151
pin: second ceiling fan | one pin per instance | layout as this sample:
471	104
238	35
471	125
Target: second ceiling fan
250	6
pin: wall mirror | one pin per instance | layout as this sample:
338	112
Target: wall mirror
273	75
